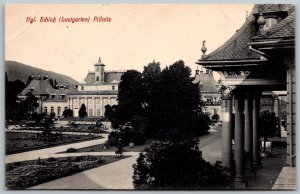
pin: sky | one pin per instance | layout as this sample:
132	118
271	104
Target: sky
135	36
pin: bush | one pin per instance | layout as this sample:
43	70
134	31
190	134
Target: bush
52	115
166	165
215	118
51	159
127	135
68	113
70	150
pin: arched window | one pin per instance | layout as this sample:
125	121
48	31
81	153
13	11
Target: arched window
45	109
52	109
65	108
58	111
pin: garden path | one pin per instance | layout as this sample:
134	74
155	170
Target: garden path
116	175
50	152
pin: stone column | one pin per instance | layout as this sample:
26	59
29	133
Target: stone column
226	130
239	142
248	131
256	142
94	106
276	104
101	108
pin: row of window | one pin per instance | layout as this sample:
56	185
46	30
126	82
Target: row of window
112	87
52	110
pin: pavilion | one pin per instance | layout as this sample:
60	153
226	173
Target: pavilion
259	57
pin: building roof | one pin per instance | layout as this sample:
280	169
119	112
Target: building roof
99	63
207	81
43	87
108	76
103	92
38	87
237	48
283	29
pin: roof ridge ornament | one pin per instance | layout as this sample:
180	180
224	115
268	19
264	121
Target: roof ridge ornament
203	49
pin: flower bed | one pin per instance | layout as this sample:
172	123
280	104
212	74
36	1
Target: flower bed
21	142
21	175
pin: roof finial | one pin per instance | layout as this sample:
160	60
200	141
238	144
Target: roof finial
203	49
99	61
247	14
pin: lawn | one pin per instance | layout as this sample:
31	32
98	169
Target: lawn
21	175
20	142
101	148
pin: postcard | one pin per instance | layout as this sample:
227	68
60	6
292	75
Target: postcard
150	97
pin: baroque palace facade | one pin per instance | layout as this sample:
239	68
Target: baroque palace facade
99	89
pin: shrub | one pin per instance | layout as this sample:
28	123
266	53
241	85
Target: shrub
68	113
166	165
215	118
70	150
51	159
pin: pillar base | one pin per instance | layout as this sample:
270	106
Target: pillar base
240	183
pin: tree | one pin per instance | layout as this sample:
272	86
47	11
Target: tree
82	111
269	124
173	103
169	165
12	108
215	117
68	113
130	96
108	112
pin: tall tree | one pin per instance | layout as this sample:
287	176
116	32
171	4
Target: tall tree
174	102
130	96
150	75
82	111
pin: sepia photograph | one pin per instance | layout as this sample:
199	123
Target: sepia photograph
156	97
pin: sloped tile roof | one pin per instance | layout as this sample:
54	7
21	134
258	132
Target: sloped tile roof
37	87
90	78
283	29
236	48
208	82
108	76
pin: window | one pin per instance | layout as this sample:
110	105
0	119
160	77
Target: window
82	87
97	78
65	108
58	111
52	109
45	109
113	87
97	68
270	22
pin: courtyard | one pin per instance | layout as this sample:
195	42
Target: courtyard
117	174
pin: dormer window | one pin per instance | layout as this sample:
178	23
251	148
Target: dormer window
271	21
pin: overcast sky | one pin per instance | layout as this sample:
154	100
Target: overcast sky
136	35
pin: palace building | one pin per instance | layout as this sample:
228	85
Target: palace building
99	89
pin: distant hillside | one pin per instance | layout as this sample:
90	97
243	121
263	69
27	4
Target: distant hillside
19	71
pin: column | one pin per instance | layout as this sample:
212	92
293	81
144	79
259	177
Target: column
101	108
248	131
256	142
226	130
239	141
94	106
276	104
